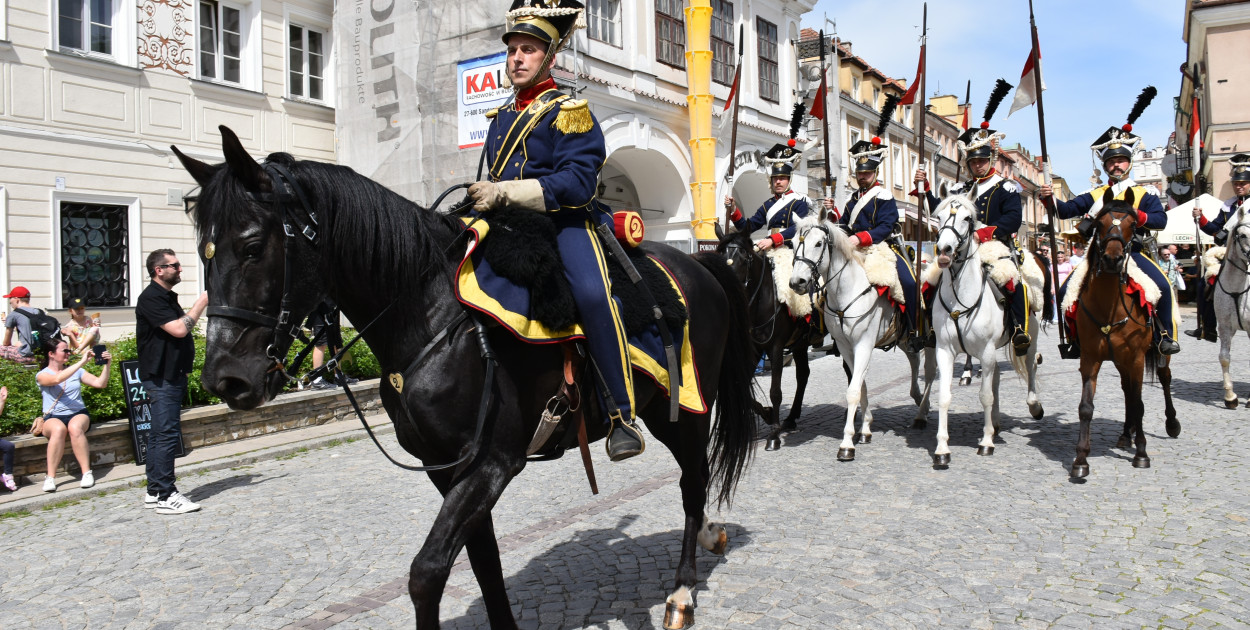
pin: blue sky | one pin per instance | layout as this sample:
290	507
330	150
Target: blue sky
1097	56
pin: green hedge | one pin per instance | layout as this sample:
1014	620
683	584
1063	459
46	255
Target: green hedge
25	402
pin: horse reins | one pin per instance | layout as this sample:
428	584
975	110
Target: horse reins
298	219
1099	245
958	264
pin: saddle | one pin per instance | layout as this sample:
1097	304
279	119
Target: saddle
1139	283
522	249
782	259
1212	260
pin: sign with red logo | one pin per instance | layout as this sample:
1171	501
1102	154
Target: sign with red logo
481	89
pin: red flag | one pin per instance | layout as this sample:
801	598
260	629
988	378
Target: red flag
1195	140
910	97
817	110
733	89
1026	90
964	124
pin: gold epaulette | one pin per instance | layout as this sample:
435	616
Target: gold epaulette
492	113
574	117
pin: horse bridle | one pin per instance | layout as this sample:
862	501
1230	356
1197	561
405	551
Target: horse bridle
1098	245
817	286
298	219
731	252
1229	262
290	200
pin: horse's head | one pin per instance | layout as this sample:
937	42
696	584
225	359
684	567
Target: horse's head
739	251
256	242
1238	226
1113	230
955	240
816	246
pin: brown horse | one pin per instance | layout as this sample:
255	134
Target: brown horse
1113	324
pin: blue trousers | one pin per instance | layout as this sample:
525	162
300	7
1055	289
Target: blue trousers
1163	311
163	438
585	266
907	278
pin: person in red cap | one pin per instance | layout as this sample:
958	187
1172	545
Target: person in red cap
24	350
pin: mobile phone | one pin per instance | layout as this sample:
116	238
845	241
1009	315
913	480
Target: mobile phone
99	351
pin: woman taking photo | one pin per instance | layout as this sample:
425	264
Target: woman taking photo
64	411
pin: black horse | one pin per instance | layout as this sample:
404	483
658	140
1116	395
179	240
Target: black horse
277	238
773	330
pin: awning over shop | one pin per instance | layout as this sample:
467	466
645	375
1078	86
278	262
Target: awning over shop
1181	225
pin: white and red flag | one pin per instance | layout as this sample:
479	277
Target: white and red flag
1026	90
909	97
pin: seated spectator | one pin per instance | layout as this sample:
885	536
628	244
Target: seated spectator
6	447
23	351
64	411
81	332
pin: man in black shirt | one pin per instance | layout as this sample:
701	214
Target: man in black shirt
166	350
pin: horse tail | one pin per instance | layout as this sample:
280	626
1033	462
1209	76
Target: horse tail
1152	363
1048	288
1020	363
733	434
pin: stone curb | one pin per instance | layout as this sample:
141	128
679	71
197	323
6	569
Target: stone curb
380	425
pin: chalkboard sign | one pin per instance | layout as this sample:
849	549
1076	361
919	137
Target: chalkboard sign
139	407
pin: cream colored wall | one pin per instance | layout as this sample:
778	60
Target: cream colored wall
1227	85
106	128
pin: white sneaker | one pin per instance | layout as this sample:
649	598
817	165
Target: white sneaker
176	504
150	500
88	480
49	485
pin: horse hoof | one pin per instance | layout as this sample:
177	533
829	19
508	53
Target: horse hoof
1124	442
1039	358
919	423
864	438
942	461
1232	404
985	450
1037	415
1173	427
714	538
772	443
1080	471
678	616
965	380
1141	462
846	454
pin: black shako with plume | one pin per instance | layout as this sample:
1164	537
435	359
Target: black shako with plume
982	142
783	158
1121	141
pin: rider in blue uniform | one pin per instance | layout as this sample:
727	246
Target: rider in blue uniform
1115	150
1239	166
871	213
544	151
997	201
783	210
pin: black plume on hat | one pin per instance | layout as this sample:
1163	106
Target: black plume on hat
796	119
1001	88
887	110
1143	101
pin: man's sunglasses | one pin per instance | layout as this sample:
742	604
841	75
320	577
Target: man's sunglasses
174	265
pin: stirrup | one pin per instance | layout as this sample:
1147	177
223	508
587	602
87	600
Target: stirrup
914	343
624	440
1020	341
1069	350
1167	345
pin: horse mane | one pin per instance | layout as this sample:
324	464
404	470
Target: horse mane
848	251
368	232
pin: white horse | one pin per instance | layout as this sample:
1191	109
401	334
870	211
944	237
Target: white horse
964	320
1232	294
856	315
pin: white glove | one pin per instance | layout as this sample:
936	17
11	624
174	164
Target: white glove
526	194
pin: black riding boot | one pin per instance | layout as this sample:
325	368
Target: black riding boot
1167	345
624	440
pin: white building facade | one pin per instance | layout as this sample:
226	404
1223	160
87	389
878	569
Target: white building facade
92	94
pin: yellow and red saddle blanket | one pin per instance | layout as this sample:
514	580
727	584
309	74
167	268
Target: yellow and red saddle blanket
511	305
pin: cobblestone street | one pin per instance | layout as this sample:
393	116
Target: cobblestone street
324	538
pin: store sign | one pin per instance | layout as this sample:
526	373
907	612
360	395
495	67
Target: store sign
480	89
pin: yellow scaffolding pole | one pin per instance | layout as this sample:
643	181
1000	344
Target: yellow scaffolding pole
699	105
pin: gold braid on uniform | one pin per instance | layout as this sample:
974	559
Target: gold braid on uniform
574	117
